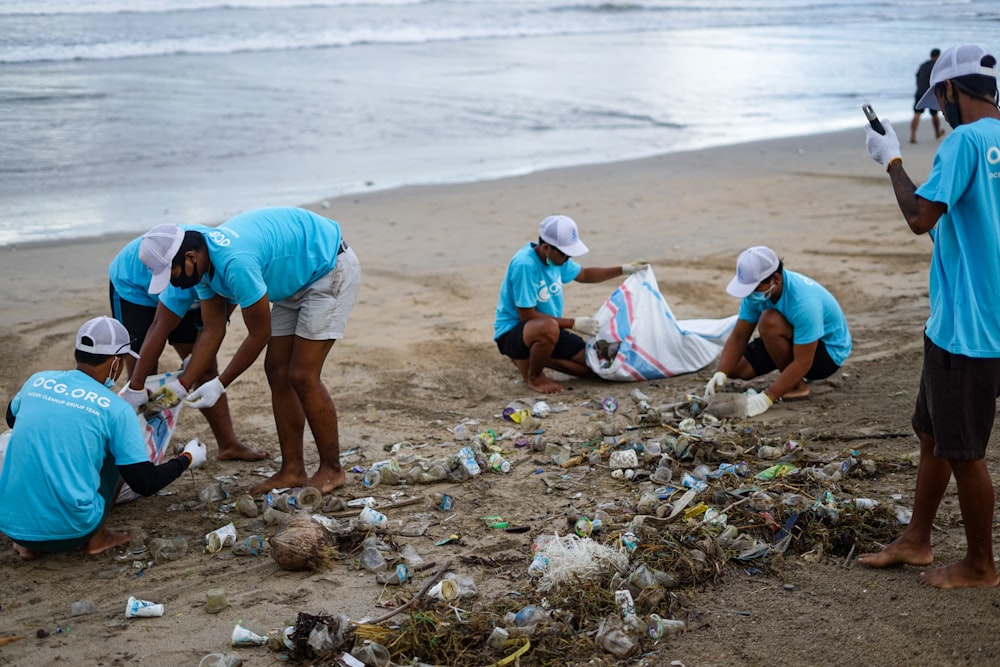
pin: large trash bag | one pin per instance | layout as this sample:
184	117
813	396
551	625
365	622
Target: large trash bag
157	423
640	339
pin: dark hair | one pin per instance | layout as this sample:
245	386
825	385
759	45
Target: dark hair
781	267
935	53
192	241
91	359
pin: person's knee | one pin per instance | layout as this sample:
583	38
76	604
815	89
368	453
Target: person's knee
544	331
304	379
773	324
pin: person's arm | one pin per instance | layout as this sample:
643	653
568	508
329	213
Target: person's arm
598	274
735	346
257	318
920	214
164	322
214	312
802	361
146	478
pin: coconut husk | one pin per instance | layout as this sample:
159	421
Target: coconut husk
303	544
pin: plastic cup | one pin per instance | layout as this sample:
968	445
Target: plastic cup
142	608
446	589
215	601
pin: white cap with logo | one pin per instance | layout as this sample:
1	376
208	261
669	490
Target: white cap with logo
560	231
953	63
104	336
157	250
754	264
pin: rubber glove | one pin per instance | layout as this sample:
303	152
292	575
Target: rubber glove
758	404
171	393
588	326
206	395
883	148
134	397
717	382
634	267
197	451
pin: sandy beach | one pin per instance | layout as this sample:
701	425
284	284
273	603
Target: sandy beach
418	359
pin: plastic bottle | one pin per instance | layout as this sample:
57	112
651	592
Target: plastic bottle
530	615
498	463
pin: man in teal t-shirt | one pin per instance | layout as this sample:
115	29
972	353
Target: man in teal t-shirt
173	316
73	441
801	330
529	327
959	208
295	281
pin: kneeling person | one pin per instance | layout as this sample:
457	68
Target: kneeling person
802	330
529	326
72	443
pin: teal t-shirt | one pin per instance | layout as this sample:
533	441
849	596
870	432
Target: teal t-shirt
67	424
531	283
965	263
269	251
811	310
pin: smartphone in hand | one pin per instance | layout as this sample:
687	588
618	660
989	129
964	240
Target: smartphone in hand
873	118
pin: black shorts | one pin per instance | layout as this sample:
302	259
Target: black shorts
137	319
761	362
956	403
511	344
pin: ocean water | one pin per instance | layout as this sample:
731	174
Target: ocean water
116	115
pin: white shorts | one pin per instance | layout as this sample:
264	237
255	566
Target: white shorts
320	311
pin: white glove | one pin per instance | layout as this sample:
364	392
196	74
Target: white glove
588	326
883	148
171	393
197	451
206	395
717	382
634	267
134	397
757	404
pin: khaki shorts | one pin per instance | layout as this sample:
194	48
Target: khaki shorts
320	311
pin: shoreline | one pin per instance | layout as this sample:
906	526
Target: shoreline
317	203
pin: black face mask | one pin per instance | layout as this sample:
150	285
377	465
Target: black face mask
186	280
951	114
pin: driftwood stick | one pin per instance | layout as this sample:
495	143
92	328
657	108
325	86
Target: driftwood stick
423	591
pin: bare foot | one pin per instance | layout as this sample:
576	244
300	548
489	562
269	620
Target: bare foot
281	480
899	553
913	141
240	452
25	553
543	385
327	479
960	575
799	393
940	133
103	540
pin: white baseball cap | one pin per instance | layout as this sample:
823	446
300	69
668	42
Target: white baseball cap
953	63
157	250
106	336
754	264
560	231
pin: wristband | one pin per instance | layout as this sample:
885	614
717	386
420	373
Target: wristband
186	455
181	382
892	162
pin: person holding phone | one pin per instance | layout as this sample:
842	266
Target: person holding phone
959	208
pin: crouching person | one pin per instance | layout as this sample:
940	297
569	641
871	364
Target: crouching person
73	442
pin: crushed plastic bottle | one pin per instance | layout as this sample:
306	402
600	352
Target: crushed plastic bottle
498	463
164	550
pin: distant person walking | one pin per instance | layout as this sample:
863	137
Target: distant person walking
923	83
959	208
